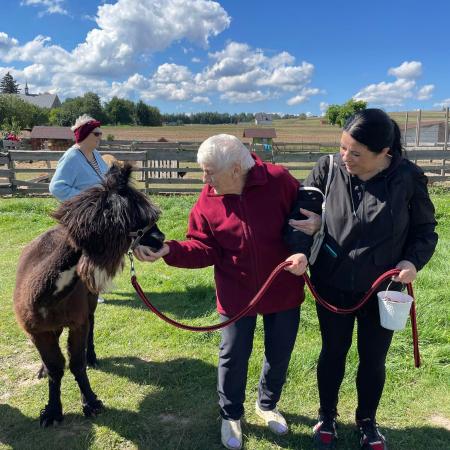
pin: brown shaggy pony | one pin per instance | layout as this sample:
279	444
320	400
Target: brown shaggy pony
62	271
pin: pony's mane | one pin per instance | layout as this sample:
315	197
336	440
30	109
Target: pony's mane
99	219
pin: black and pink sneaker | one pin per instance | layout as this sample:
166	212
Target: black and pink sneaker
370	437
325	434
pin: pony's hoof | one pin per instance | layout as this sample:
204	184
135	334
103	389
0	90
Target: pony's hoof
93	408
49	417
42	372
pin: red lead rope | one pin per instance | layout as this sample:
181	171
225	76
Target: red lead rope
256	299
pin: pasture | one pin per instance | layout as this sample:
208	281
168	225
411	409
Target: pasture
288	130
158	382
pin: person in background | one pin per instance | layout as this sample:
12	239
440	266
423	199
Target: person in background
236	226
378	216
81	166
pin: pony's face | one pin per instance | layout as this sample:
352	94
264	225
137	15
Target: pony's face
99	220
152	238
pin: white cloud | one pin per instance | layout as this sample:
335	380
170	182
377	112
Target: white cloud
323	107
245	97
6	42
304	96
397	92
51	6
408	69
112	58
200	99
127	33
389	94
443	103
425	92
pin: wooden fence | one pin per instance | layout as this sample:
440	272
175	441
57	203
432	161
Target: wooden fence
172	167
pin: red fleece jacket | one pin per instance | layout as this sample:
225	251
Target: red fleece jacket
241	235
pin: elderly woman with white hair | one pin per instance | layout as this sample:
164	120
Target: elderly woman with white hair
81	166
236	226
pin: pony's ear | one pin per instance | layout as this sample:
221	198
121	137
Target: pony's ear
118	176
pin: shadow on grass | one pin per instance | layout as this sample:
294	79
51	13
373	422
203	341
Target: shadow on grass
414	438
178	410
190	304
167	421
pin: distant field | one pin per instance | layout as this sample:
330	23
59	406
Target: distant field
289	130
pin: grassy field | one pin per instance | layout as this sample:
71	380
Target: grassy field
158	382
289	130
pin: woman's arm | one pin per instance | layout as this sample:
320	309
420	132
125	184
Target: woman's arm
199	250
62	185
422	238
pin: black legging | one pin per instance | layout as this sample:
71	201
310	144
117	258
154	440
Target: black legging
373	345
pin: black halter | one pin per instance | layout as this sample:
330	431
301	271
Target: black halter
137	235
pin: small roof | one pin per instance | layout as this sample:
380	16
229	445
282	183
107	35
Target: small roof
42	132
260	133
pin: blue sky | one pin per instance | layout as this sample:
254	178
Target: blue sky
230	56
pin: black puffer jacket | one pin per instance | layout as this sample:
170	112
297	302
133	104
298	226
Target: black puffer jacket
393	221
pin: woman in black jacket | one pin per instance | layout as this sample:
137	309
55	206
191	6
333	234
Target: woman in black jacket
378	216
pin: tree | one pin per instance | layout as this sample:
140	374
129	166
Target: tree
338	114
332	114
120	111
25	114
8	85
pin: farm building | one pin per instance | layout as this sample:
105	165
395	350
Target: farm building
263	119
45	100
52	138
263	136
430	133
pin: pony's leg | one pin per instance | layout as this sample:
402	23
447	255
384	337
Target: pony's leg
48	347
43	372
91	357
76	348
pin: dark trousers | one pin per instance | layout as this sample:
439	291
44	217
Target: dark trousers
373	345
280	331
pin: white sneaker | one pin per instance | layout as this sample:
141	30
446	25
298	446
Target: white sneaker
100	299
231	434
274	420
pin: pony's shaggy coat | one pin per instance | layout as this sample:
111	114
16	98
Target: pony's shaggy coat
62	271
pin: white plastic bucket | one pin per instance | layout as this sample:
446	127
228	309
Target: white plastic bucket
394	309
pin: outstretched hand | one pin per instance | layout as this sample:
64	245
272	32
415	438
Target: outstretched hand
299	264
310	225
144	253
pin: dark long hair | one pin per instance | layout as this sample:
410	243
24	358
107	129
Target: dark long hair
376	130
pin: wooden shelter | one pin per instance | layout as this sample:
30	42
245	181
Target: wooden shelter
262	136
51	138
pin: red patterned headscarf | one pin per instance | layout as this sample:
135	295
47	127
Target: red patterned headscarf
83	131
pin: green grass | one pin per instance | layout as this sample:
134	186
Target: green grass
158	382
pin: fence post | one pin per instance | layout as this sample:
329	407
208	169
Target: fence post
405	133
12	173
445	141
419	116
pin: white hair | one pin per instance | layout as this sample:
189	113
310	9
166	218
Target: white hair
81	121
224	150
